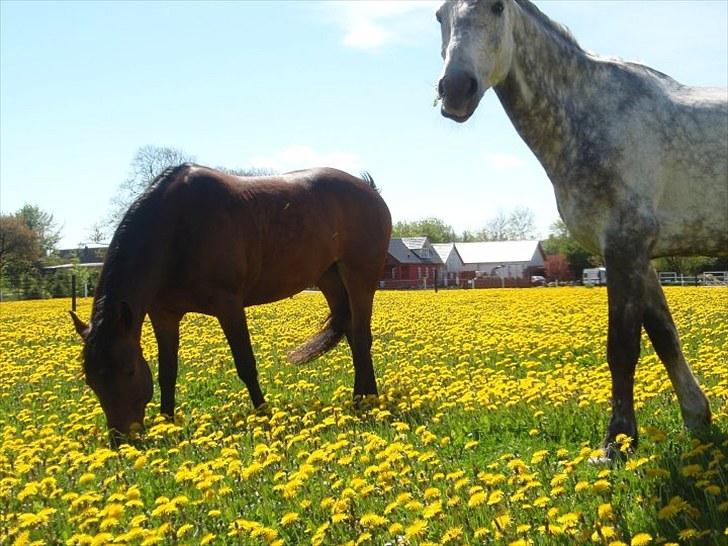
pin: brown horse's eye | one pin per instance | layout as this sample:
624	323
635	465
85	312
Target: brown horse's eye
497	8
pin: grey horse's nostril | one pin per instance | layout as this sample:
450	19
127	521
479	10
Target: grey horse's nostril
458	86
472	87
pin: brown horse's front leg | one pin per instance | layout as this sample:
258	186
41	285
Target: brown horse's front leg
235	326
627	266
166	330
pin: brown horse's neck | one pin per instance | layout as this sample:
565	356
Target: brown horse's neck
137	257
544	91
131	278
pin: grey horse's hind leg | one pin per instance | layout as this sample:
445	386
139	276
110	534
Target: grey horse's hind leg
663	334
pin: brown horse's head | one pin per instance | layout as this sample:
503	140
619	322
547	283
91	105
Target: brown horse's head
115	369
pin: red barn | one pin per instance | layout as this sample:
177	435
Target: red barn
412	263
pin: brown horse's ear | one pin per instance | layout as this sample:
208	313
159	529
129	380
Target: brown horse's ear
81	326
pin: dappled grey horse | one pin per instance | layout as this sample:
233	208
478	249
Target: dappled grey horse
639	165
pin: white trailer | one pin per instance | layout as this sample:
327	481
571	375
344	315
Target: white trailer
594	276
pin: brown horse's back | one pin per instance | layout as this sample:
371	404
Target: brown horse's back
262	239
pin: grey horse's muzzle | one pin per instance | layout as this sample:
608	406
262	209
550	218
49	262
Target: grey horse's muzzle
458	90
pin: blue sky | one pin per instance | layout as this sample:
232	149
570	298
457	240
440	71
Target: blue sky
288	85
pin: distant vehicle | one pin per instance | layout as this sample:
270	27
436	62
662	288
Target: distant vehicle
594	276
538	280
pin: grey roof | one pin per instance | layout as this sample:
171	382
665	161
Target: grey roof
497	251
399	251
414	243
413	250
444	250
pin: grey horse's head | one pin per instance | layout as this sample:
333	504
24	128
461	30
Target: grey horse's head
477	46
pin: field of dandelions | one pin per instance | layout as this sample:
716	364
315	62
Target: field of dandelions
492	402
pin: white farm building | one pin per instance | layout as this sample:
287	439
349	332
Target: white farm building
505	259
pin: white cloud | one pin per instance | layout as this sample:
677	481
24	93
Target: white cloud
304	157
374	24
503	162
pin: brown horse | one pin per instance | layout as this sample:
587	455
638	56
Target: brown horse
203	241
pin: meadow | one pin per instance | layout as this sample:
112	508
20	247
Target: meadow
492	402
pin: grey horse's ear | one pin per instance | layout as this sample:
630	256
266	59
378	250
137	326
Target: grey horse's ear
81	326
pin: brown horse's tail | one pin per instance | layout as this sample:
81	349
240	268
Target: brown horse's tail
331	333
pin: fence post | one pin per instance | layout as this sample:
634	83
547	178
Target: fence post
73	292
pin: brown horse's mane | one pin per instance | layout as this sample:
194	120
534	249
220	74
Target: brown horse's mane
135	226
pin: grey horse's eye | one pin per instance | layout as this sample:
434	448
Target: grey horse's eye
437	16
497	8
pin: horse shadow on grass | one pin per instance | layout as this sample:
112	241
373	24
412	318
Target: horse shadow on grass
689	487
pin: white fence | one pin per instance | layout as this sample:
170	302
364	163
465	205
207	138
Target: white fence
708	278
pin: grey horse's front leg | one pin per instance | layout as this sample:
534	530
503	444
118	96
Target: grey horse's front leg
627	265
663	334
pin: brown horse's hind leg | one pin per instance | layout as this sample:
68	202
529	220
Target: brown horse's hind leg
166	330
334	291
360	289
236	331
663	334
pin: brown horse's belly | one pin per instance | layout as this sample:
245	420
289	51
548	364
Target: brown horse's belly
284	282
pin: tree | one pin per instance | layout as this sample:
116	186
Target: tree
97	233
147	164
557	267
560	241
19	245
690	265
433	228
250	171
495	229
519	224
42	224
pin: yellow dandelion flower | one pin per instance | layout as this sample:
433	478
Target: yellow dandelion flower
338	518
431	492
372	520
87	477
453	533
288	518
605	512
641	539
477	499
209	537
184	529
416	529
432	510
396	529
495	497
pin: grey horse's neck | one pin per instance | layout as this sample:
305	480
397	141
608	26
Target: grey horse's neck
550	80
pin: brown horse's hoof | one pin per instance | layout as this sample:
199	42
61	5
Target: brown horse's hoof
263	410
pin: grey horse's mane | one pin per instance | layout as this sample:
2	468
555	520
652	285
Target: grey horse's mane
562	33
556	29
